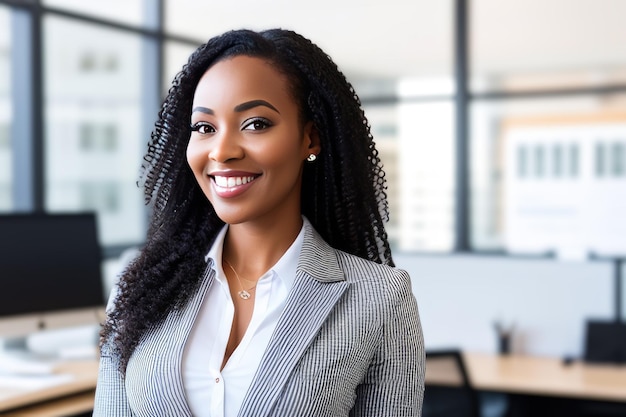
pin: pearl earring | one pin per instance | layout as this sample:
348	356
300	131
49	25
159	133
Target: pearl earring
312	157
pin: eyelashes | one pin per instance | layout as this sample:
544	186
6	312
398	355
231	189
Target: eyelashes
257	123
254	124
202	127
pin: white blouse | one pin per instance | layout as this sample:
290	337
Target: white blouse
214	393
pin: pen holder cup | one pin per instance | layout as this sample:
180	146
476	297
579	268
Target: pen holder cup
504	343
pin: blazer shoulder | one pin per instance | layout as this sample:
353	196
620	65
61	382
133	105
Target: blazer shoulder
328	264
387	278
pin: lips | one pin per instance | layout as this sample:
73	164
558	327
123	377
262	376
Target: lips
232	184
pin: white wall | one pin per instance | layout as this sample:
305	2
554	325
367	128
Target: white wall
460	296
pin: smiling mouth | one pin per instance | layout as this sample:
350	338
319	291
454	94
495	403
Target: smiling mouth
230	182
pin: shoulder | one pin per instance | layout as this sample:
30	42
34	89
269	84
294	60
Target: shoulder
328	264
385	282
319	258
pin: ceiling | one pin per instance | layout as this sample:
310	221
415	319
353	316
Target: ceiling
395	39
408	38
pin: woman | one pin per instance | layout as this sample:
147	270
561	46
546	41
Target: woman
266	286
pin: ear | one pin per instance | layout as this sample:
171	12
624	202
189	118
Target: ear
311	140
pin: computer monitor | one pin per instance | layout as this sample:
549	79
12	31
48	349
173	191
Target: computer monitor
50	272
605	342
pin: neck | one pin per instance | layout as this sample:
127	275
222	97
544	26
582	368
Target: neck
252	249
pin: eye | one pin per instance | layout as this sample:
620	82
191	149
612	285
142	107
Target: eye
202	128
258	123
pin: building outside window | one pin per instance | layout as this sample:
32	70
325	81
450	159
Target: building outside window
561	95
93	125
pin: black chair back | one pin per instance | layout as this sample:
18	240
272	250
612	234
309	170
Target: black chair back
449	391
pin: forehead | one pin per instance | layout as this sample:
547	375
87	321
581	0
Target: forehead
241	78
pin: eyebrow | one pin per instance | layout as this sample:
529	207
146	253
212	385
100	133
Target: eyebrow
203	110
254	103
239	108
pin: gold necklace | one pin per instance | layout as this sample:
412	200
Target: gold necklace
244	294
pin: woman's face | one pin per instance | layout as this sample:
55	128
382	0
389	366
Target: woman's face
248	143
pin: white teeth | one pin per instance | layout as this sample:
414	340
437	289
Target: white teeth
228	182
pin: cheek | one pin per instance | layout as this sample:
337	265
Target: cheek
194	157
284	154
284	159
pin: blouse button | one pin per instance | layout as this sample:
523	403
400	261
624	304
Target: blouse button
217	380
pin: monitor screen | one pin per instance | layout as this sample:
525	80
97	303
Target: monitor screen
605	342
49	262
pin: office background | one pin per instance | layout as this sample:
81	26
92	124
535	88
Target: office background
501	124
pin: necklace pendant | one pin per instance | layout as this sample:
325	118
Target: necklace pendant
244	294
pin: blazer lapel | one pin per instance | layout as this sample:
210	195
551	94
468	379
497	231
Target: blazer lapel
319	284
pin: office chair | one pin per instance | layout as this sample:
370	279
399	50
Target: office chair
449	392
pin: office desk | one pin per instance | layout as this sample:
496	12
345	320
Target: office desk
539	386
69	398
530	375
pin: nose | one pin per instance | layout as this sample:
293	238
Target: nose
226	146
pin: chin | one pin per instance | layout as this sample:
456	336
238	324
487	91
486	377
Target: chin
230	216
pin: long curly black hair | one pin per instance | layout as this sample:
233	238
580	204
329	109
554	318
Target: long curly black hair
343	192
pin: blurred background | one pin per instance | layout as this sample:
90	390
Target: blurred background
501	125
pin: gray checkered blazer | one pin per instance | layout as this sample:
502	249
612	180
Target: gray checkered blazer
349	343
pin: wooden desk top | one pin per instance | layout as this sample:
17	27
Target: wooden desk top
516	374
82	386
546	376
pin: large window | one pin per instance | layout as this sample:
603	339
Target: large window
93	119
536	164
542	117
548	125
176	55
79	93
6	163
